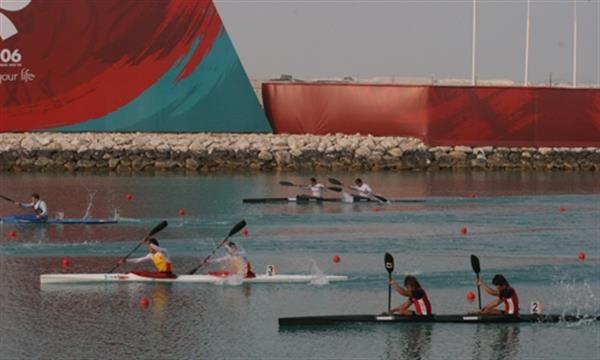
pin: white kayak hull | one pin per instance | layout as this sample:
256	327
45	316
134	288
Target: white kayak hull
203	279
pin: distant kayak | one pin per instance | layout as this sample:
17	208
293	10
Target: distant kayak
32	219
303	199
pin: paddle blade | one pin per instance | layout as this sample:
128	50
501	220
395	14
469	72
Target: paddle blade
336	189
475	264
6	198
335	181
286	183
380	198
239	226
389	262
158	228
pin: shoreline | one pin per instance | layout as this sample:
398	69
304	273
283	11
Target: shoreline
207	152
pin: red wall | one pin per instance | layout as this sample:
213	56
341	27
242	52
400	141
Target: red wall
440	115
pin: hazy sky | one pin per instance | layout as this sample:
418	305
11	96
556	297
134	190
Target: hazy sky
413	38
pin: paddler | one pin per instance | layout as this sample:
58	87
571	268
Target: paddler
505	295
237	259
417	297
362	188
315	188
38	205
158	255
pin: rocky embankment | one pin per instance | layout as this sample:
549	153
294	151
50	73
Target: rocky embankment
239	152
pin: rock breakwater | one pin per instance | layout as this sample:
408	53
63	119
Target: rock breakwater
240	152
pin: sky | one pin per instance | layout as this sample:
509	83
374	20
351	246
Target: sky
409	38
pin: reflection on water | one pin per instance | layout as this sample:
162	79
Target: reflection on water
409	341
496	342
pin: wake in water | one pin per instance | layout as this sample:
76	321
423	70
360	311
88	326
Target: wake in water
90	205
319	277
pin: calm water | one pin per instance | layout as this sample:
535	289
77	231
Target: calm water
515	224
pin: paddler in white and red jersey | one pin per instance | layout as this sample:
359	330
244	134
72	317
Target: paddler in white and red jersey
417	297
236	260
158	255
506	295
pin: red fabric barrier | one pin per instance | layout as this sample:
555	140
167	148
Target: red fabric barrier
440	115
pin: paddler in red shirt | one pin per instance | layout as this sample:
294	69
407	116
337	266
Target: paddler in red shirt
506	295
417	297
158	255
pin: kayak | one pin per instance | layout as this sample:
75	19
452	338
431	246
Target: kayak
32	219
300	199
466	319
205	279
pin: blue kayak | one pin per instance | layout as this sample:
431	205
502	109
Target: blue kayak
32	219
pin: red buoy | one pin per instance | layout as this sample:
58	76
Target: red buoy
144	302
463	230
581	256
470	296
336	259
472	195
129	197
562	209
182	212
245	232
376	209
66	262
12	234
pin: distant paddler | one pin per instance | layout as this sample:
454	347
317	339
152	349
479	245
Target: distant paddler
159	256
505	295
38	205
236	262
362	188
317	189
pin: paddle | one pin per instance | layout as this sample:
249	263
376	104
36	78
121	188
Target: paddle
234	230
7	198
389	266
287	183
156	229
476	269
339	183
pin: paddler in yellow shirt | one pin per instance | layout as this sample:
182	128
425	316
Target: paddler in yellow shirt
158	255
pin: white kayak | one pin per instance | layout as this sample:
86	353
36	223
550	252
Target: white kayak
205	279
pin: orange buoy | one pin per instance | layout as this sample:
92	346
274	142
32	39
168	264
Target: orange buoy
470	296
336	259
66	262
472	195
376	209
562	209
581	256
144	302
463	230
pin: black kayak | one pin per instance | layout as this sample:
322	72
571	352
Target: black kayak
304	199
466	319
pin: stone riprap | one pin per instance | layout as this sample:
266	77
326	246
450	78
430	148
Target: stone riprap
240	152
